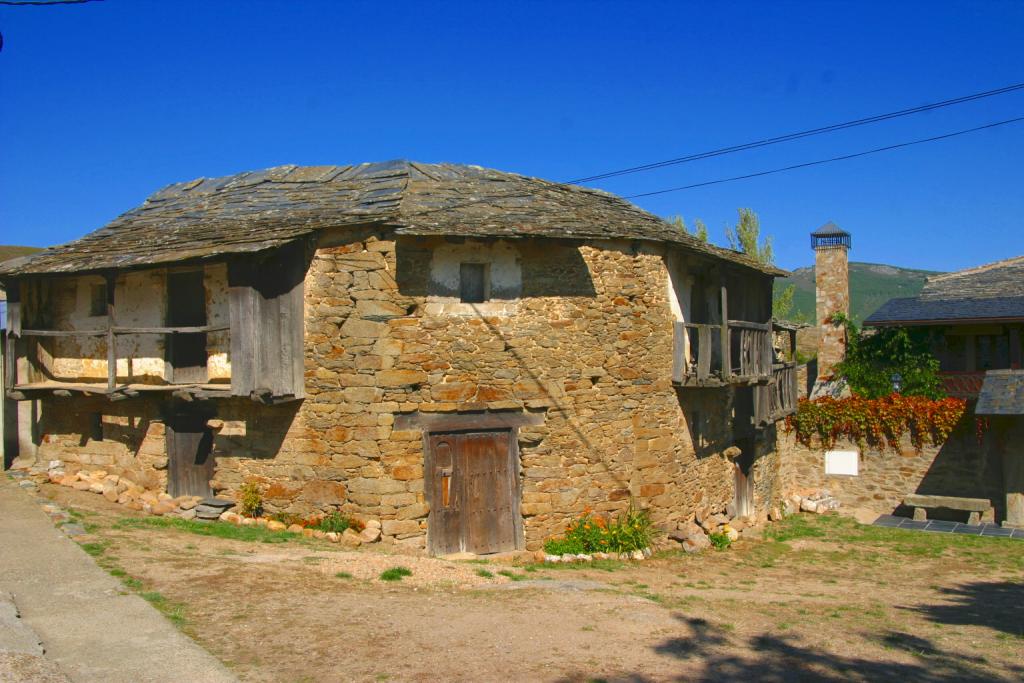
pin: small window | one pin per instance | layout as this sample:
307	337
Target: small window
98	299
473	285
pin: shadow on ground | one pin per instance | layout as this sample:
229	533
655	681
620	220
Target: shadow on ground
999	605
712	654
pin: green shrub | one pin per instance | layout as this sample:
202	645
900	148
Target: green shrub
337	523
395	574
250	499
631	530
720	540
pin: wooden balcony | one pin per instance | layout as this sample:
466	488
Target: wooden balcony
777	399
962	384
739	352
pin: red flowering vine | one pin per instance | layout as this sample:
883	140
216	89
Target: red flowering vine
878	422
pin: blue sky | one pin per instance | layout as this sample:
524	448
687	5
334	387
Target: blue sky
106	102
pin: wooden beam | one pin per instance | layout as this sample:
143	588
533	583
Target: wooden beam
678	352
63	333
726	353
171	330
111	279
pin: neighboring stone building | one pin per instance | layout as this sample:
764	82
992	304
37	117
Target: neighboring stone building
975	319
471	357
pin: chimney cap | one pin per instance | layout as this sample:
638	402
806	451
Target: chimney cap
830	236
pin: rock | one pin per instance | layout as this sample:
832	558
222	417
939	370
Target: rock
80	485
307	532
552	559
274	525
186	502
248	521
231	517
730	532
317	533
583	557
696	543
95	487
73	529
637	555
333	536
162	508
647	553
600	556
738	524
775	515
370	535
295	528
208	512
373	524
351	539
187	514
262	521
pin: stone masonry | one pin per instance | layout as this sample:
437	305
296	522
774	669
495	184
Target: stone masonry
586	347
832	295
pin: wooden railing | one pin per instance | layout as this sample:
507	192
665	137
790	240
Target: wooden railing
777	399
706	355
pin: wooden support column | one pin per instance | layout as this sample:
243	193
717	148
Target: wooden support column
726	353
1015	347
111	340
13	332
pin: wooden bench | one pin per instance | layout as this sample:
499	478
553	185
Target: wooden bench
975	506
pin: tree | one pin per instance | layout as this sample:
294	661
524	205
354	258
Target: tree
700	231
893	359
782	304
745	237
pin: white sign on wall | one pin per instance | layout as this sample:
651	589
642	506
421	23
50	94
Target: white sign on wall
842	462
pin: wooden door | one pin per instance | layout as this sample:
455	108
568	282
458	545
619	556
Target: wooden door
186	307
474	493
744	498
189	459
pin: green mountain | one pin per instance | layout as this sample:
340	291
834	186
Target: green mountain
871	285
8	252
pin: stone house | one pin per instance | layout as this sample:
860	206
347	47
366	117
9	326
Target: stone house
974	320
471	357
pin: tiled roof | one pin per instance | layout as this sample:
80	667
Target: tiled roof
1002	393
259	210
989	292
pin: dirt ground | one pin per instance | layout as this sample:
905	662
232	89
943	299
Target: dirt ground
819	599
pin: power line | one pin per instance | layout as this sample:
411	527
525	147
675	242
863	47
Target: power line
42	3
826	161
802	134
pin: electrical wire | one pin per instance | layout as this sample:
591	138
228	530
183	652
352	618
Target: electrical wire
827	161
802	134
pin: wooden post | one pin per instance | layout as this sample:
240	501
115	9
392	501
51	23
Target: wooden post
111	340
13	332
678	352
726	353
1015	348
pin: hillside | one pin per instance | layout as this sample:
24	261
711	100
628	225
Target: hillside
7	251
871	285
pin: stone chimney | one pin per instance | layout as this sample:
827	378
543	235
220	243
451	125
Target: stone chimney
831	293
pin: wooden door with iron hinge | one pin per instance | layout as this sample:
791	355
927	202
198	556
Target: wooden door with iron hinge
473	491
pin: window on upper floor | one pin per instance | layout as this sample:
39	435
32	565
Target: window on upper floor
98	299
474	287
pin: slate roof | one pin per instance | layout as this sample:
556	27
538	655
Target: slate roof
994	291
830	229
1002	393
258	210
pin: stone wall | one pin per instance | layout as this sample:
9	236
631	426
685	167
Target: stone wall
585	347
960	467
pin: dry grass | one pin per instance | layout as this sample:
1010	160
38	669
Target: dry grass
821	598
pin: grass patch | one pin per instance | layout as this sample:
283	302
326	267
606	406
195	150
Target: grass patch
343	575
94	549
484	573
252	534
395	573
174	611
512	576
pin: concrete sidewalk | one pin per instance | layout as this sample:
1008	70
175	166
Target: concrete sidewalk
88	629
